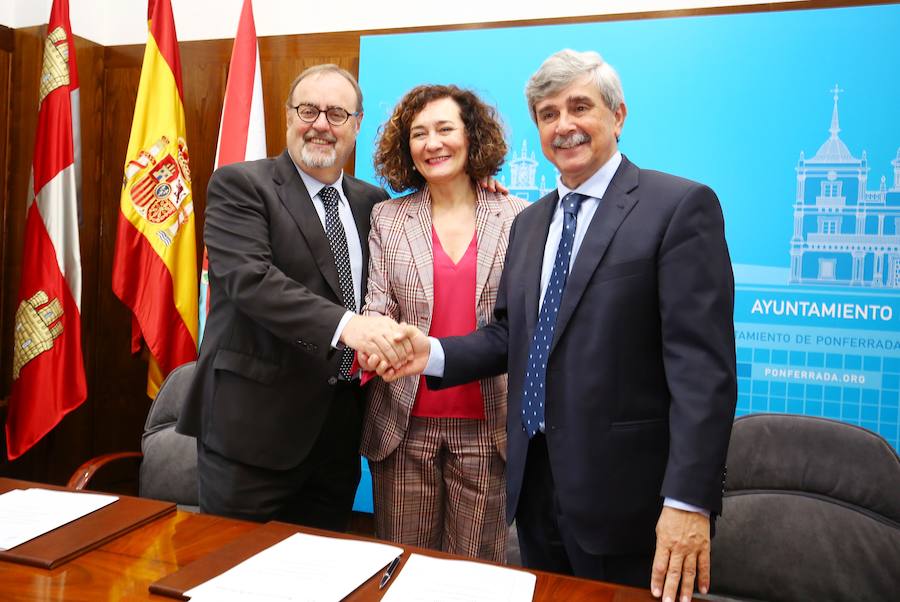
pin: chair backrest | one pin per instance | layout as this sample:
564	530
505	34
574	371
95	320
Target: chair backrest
811	512
169	467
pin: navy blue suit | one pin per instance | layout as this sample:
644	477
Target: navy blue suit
641	386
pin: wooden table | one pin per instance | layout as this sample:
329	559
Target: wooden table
123	569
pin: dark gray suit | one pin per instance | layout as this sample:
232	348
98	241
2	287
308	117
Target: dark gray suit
641	386
265	396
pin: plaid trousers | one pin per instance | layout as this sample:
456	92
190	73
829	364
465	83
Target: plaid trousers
443	488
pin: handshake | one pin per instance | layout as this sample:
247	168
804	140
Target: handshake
385	347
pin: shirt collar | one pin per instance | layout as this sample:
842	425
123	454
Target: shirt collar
314	186
596	185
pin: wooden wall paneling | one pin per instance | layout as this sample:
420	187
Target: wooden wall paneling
277	74
282	58
23	94
118	379
6	53
204	75
25	70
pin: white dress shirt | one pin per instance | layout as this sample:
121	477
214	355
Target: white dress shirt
354	248
593	188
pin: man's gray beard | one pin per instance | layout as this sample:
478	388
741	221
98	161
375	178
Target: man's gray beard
315	160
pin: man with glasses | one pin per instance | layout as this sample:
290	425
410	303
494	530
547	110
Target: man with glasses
275	408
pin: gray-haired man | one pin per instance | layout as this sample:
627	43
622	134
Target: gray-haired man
614	322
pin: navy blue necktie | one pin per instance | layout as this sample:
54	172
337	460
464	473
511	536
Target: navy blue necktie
534	391
337	239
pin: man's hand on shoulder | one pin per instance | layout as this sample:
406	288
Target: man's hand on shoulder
493	185
682	555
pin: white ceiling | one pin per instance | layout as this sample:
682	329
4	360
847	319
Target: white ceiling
114	22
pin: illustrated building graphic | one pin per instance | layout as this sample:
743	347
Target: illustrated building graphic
523	175
844	234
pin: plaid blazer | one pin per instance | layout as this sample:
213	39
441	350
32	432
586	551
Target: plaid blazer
401	286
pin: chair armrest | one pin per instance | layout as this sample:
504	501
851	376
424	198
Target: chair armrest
84	473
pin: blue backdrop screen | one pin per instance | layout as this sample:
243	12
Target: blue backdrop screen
791	117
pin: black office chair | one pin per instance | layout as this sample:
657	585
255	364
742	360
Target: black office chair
169	468
168	460
811	512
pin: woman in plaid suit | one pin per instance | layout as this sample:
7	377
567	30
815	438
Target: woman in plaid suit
438	457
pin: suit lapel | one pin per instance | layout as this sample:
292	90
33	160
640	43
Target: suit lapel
417	228
615	206
488	228
295	198
535	241
361	209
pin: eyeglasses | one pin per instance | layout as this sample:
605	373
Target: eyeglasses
334	115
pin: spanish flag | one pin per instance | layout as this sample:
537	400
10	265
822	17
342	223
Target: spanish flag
155	265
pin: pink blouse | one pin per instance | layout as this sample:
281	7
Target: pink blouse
453	314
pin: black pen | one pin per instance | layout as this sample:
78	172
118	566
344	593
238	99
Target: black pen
389	572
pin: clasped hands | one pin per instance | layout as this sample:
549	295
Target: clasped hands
383	346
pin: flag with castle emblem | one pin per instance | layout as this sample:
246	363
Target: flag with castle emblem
48	370
155	265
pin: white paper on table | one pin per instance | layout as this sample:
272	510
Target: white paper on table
308	568
29	513
442	580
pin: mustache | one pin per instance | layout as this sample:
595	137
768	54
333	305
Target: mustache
571	140
328	137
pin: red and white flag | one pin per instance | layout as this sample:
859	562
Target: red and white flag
242	131
48	370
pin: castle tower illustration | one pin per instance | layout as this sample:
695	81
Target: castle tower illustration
844	234
523	176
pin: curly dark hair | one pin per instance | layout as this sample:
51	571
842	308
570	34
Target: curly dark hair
487	146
